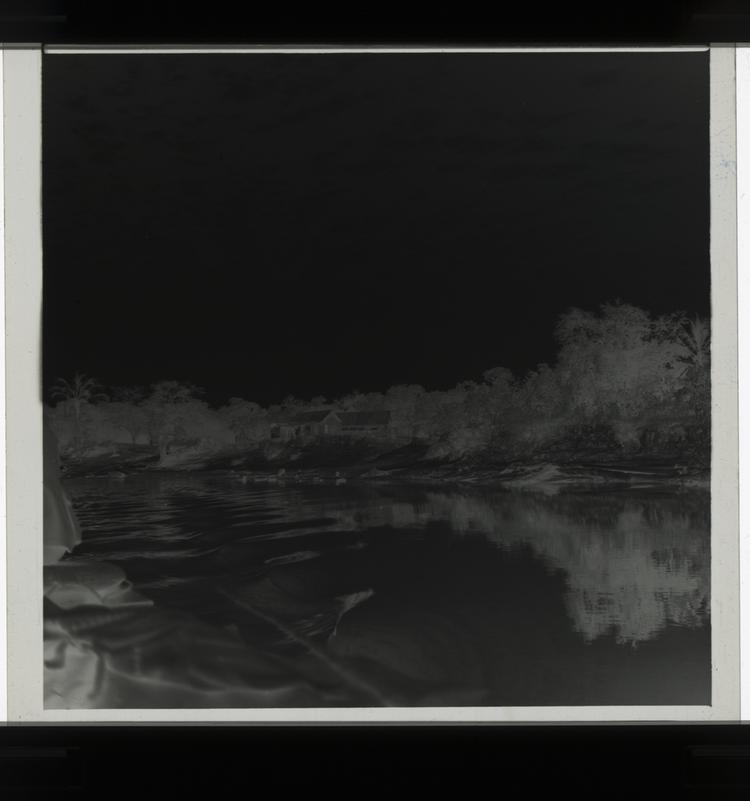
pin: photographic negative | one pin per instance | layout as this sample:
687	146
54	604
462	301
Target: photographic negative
377	380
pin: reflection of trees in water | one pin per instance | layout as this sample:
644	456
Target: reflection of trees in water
471	596
634	563
649	566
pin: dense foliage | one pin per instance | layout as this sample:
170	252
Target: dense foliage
624	381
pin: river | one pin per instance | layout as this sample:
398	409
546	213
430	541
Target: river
410	595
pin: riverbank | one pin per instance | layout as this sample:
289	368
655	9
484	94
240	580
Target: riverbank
545	477
411	463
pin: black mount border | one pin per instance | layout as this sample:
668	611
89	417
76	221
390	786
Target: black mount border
140	22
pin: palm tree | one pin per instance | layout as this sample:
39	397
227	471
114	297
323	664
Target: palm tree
695	338
81	390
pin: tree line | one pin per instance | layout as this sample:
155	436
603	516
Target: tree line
622	378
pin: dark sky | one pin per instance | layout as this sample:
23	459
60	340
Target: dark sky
270	224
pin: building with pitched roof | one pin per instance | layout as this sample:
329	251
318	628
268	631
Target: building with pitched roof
331	422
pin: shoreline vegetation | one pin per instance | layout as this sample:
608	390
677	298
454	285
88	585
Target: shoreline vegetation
398	467
625	404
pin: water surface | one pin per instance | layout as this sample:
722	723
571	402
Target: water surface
408	595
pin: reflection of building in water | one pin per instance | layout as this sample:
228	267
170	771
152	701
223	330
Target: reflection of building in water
633	564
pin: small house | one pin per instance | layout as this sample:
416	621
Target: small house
330	422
